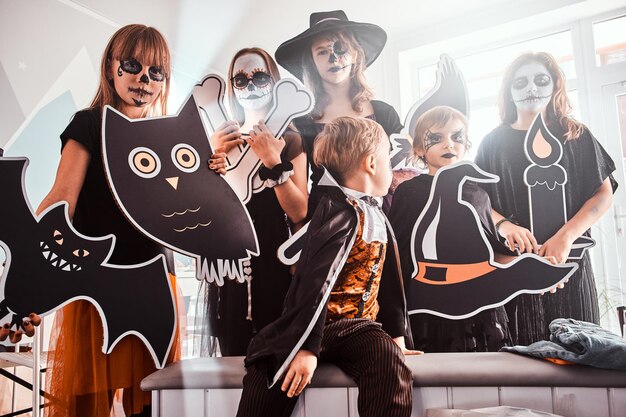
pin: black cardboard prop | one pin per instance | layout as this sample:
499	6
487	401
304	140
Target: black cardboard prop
546	181
49	264
449	90
157	170
291	99
455	275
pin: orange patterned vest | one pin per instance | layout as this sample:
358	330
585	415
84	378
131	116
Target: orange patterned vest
356	289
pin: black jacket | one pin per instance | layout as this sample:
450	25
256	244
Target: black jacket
330	237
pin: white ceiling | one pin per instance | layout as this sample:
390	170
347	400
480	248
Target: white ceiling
207	33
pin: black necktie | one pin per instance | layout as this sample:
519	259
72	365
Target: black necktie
370	200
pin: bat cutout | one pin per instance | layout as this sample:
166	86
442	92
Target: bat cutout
455	275
291	100
546	180
49	264
449	90
157	173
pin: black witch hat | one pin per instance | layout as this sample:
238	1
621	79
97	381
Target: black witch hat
372	39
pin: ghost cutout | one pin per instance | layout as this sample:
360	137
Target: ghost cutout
455	275
546	180
290	100
49	264
449	90
157	171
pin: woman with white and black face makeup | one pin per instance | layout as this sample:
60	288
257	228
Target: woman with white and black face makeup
237	311
534	83
330	58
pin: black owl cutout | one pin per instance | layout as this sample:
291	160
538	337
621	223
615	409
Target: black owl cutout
158	173
49	264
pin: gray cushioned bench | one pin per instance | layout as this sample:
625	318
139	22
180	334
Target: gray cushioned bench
205	387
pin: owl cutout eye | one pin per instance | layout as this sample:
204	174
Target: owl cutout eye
58	237
185	158
81	253
144	162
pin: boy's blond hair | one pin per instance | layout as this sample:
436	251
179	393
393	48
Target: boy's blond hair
436	117
343	144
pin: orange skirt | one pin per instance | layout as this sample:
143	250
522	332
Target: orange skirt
82	380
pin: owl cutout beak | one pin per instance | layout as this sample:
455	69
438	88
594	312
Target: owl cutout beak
173	182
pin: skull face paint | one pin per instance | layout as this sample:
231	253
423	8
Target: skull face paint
132	66
532	87
332	58
444	145
252	83
136	84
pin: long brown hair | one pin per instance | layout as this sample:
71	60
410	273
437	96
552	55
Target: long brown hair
359	90
145	44
558	109
235	107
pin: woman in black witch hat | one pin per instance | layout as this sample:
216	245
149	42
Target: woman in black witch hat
330	58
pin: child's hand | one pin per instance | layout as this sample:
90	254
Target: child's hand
28	327
400	342
518	238
227	136
558	246
265	145
299	373
218	161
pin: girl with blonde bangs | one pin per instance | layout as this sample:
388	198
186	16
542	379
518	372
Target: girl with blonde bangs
145	44
83	381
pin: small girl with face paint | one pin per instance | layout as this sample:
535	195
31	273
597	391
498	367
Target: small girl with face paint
330	57
534	83
134	79
238	311
440	139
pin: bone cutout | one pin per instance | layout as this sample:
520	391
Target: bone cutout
291	100
449	90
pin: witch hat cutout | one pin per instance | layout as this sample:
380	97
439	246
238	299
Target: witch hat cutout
546	181
449	90
455	275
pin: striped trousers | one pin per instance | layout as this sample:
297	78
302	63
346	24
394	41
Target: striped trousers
364	351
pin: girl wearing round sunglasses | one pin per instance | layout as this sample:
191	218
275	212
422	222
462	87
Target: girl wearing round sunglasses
238	311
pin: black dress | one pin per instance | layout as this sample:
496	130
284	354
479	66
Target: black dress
236	312
384	114
587	165
487	330
96	213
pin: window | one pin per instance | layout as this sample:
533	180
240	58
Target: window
483	74
609	38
